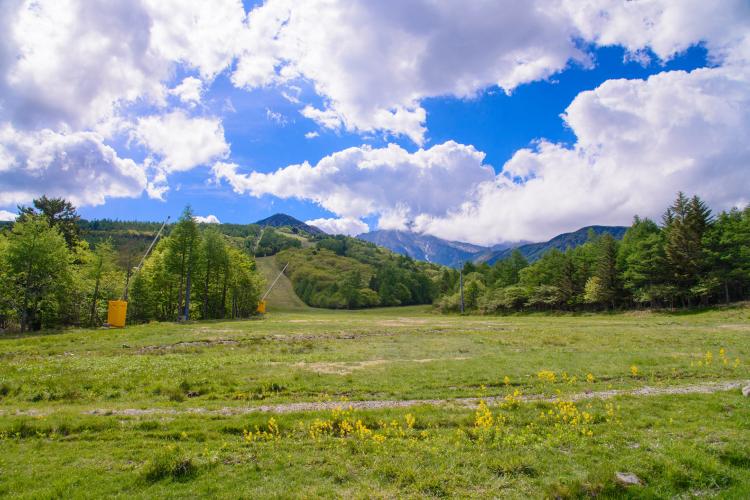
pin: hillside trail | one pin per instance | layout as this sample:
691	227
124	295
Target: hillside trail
645	391
282	296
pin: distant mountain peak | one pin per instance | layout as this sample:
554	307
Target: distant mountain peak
455	253
281	220
424	246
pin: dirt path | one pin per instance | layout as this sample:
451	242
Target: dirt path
708	388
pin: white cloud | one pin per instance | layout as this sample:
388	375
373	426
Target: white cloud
359	181
67	63
346	225
189	91
70	71
203	35
77	166
6	215
276	117
311	135
179	143
667	27
208	219
639	142
373	63
182	142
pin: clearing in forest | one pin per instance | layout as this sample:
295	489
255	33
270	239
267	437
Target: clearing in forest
402	401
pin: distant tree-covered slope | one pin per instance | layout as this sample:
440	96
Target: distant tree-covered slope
341	272
534	251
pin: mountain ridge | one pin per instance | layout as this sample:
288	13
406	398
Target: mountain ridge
423	246
454	253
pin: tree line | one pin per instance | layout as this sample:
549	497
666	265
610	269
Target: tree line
690	258
51	277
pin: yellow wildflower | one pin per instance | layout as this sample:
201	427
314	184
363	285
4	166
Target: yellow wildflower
547	376
410	420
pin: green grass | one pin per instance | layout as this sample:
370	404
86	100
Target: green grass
282	296
678	445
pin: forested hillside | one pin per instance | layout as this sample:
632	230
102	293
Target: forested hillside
562	242
342	272
57	270
691	258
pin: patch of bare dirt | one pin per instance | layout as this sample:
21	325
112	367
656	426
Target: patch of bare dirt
156	349
349	367
745	327
459	402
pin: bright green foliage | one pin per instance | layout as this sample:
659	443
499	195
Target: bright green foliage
346	273
507	271
727	245
104	280
691	258
272	242
685	223
181	256
38	265
641	261
60	214
222	278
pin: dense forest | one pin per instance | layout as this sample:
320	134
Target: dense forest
342	272
51	276
691	258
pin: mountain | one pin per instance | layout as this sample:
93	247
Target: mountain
533	251
424	247
455	253
281	220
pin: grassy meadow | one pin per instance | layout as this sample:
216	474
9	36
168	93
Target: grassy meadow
171	410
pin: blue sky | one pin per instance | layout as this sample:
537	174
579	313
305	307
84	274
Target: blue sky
496	123
489	122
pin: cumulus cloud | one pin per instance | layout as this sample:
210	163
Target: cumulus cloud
374	61
203	35
182	142
208	219
68	63
178	143
69	70
666	27
189	91
638	143
77	166
347	225
363	180
6	215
